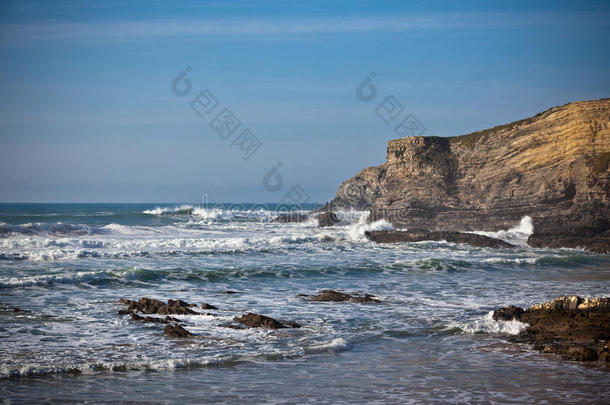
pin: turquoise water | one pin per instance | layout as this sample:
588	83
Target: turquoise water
431	340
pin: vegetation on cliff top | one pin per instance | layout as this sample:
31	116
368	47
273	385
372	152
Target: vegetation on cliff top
471	139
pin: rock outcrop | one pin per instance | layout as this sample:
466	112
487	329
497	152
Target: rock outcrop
570	326
261	321
327	219
336	296
176	331
173	328
422	235
152	306
205	305
288	218
553	167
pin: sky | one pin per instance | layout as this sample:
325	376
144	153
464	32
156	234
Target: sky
94	109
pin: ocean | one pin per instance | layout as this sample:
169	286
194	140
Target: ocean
430	340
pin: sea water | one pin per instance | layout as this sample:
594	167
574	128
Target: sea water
431	339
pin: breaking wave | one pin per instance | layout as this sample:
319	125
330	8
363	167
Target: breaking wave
517	235
55	229
182	210
487	324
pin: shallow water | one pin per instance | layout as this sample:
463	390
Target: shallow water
430	340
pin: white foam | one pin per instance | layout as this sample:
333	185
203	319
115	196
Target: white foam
207	213
48	279
517	235
335	345
183	209
487	324
357	230
353	226
90	368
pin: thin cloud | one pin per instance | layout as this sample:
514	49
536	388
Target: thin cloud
44	31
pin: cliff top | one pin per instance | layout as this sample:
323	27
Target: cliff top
471	139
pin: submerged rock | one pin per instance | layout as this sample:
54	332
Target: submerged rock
327	219
260	321
208	306
7	308
422	235
336	296
287	218
570	326
177	331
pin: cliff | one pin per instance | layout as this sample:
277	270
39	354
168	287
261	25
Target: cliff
552	167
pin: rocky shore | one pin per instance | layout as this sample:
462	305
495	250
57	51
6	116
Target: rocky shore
553	167
569	326
174	327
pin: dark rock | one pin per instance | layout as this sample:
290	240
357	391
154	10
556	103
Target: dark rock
332	296
258	321
422	235
152	306
152	319
580	353
572	327
327	219
598	242
335	296
179	303
148	305
136	317
508	313
364	298
207	306
176	310
125	301
177	331
603	354
234	326
287	218
231	292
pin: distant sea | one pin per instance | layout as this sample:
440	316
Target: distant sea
431	339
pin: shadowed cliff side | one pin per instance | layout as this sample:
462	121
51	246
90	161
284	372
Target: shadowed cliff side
552	167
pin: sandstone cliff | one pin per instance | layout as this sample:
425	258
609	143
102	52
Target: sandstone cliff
552	167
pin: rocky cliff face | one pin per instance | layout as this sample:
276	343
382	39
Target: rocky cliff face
552	167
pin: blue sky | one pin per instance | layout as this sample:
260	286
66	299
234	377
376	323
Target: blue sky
88	114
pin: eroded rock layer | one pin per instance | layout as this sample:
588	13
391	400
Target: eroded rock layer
552	167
